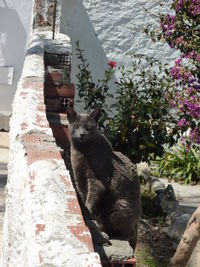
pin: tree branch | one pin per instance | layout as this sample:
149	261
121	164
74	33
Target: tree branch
188	241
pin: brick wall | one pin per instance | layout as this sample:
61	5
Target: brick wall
43	223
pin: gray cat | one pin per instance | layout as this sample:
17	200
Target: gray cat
106	181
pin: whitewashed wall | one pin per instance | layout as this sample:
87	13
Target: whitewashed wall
109	29
43	223
15	21
106	29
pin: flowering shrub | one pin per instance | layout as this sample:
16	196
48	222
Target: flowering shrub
94	94
182	31
138	122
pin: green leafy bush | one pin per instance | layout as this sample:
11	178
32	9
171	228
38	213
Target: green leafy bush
93	94
138	123
182	164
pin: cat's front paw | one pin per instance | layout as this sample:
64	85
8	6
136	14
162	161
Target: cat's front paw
105	239
99	237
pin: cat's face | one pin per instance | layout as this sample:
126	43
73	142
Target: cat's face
82	127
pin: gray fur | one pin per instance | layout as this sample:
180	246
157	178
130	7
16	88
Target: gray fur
106	181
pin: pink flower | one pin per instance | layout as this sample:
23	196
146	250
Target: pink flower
112	64
179	40
198	57
132	117
182	122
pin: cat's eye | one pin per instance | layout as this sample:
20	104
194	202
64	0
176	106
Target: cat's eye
76	126
87	127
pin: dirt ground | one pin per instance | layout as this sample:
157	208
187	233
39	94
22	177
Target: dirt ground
154	249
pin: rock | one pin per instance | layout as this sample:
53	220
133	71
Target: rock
156	185
143	170
166	199
176	230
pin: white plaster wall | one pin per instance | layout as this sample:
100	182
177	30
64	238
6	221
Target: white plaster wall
15	23
109	29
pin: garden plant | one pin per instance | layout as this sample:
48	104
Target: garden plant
139	122
182	31
137	119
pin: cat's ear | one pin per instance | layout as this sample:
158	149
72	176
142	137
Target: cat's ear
95	114
71	114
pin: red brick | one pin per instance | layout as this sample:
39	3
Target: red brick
31	182
82	233
40	228
41	108
40	147
24	126
65	90
36	83
42	121
68	184
23	94
74	207
58	104
55	76
60	133
58	60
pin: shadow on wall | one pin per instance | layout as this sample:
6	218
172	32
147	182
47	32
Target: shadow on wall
12	45
76	24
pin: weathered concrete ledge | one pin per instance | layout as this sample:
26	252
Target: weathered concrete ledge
43	223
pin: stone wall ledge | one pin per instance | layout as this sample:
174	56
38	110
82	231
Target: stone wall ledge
43	223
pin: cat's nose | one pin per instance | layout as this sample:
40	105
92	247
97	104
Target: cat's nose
82	135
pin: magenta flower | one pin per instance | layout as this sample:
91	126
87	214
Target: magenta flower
194	135
182	122
198	57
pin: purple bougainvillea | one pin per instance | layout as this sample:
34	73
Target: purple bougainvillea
181	31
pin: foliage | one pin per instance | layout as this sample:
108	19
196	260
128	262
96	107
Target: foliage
139	127
138	123
182	31
183	164
93	95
